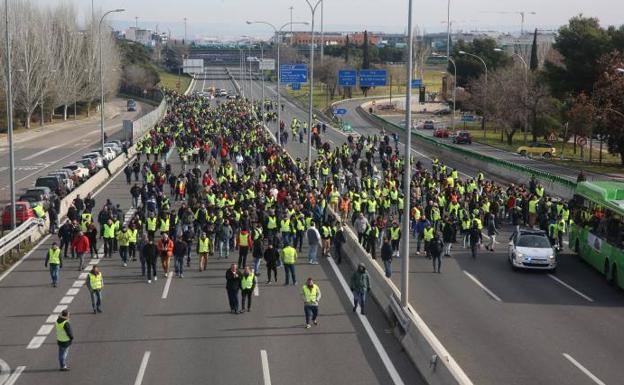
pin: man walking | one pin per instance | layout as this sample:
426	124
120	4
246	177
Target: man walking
232	285
95	285
64	338
435	249
165	249
123	240
203	246
289	256
271	256
243	243
360	286
248	284
53	258
311	297
386	257
474	238
314	241
179	252
80	245
149	254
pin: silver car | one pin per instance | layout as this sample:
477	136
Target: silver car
531	249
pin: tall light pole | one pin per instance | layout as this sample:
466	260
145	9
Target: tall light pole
448	29
322	32
407	172
9	104
102	76
277	86
185	31
291	20
262	75
486	86
311	81
526	84
136	22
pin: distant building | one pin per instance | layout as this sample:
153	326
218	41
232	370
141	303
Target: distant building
140	35
332	38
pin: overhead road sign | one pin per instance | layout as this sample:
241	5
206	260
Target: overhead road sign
293	73
347	78
267	64
372	78
416	83
295	86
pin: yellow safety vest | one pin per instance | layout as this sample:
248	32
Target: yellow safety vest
272	223
395	233
310	294
372	206
133	235
289	255
428	234
285	226
54	256
151	224
39	211
123	237
242	239
164	225
533	206
109	231
61	334
247	282
96	281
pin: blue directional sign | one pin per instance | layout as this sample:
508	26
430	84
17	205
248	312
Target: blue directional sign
340	111
416	83
347	78
373	78
293	73
295	86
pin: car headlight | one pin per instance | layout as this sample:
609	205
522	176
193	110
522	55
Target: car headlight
551	257
519	255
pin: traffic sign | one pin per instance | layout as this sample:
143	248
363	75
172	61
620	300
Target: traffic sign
552	137
346	127
295	86
372	78
293	73
347	78
340	111
416	83
581	141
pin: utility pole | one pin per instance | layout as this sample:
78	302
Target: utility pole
185	30
9	103
322	32
311	82
448	29
136	22
291	21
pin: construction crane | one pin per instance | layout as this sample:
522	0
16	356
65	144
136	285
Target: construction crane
522	16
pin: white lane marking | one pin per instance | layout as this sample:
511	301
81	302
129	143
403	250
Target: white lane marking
94	261
59	309
2	169
583	369
571	288
5	371
167	284
265	367
78	283
72	291
66	300
13	379
394	374
36	154
482	286
44	330
142	368
36	342
83	275
52	318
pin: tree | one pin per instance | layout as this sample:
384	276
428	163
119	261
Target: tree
365	60
469	67
346	49
608	99
534	58
328	73
581	44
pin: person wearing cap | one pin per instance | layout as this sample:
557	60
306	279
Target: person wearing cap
64	338
360	286
54	260
311	296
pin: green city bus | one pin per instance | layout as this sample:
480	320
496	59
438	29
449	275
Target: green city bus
597	227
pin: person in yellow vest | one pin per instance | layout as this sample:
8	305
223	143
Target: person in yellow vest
151	225
395	237
533	203
109	236
53	259
95	285
203	246
243	244
311	296
123	239
64	339
248	284
289	256
134	232
428	235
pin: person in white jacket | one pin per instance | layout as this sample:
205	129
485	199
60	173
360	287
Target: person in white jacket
314	242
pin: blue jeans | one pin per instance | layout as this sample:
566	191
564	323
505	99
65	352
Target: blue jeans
388	268
233	299
257	265
286	238
123	253
96	299
179	264
311	312
54	273
312	252
289	269
63	351
224	248
359	297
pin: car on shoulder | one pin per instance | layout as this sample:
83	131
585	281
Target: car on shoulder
113	146
96	158
545	150
54	183
131	105
35	197
532	250
223	93
429	125
443	111
79	170
462	137
232	96
441	132
89	164
66	177
23	212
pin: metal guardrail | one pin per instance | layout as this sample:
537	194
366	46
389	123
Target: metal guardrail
17	236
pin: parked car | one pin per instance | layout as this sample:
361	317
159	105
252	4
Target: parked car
546	150
96	157
441	132
52	182
79	170
49	194
531	249
443	111
89	164
66	178
35	197
131	105
429	125
108	154
23	212
223	93
462	137
113	146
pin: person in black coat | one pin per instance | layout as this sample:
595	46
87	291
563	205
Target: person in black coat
149	256
339	240
474	237
386	257
232	286
435	249
271	256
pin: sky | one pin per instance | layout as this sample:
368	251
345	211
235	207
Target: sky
226	18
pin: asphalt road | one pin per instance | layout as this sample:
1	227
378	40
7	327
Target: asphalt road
506	327
49	148
179	331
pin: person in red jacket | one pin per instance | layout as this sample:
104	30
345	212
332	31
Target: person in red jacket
165	249
244	244
81	245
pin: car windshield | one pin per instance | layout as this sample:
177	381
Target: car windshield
534	241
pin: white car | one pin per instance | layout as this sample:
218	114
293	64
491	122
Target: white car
78	169
65	176
109	154
114	147
531	249
96	157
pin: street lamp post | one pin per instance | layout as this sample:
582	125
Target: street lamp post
486	87
9	104
277	86
407	173
322	31
102	76
448	29
262	75
311	81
